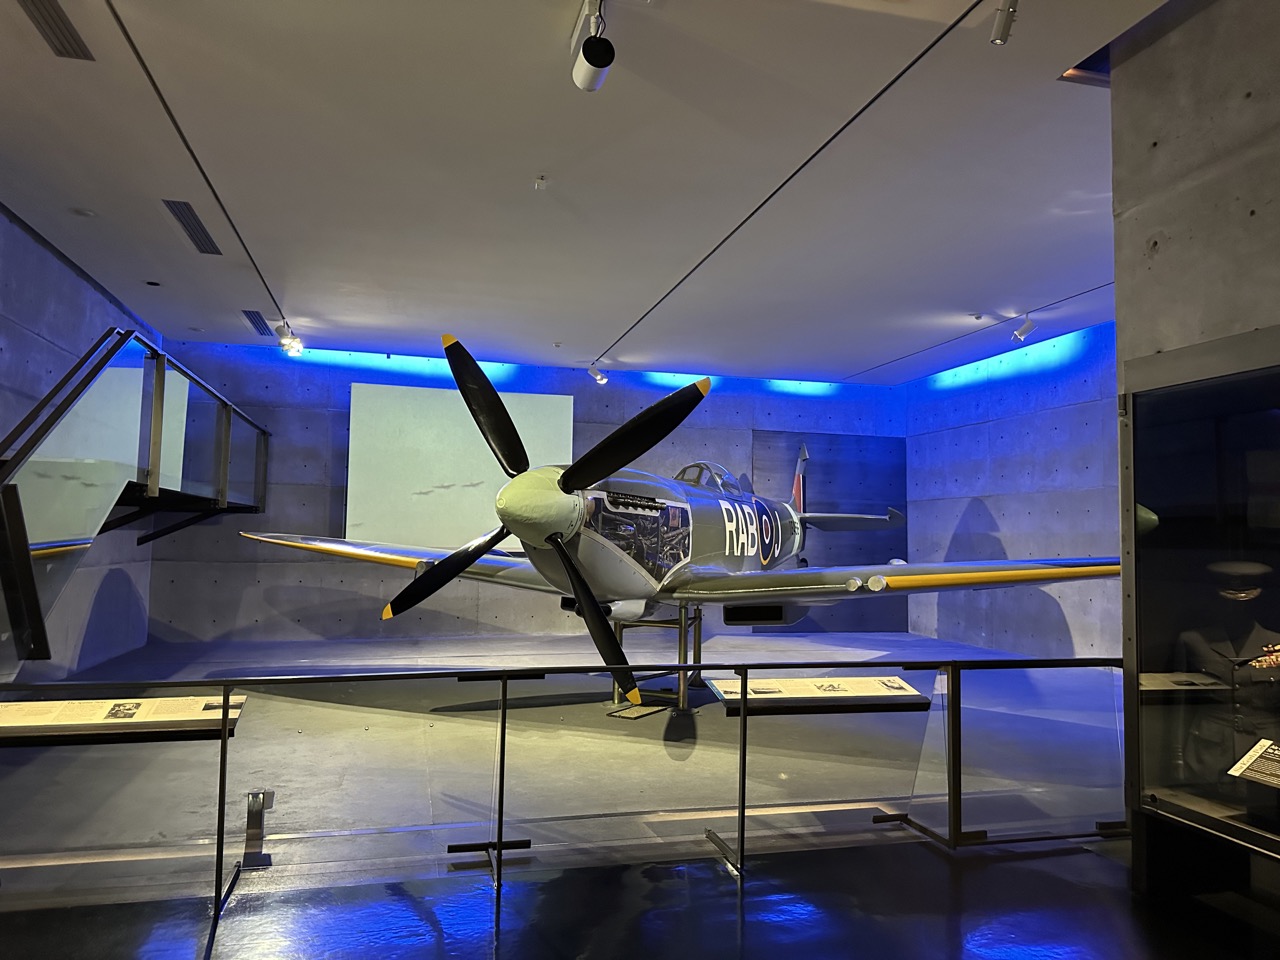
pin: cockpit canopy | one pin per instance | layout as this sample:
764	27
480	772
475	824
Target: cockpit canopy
714	477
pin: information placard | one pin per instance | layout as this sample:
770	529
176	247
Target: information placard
1261	764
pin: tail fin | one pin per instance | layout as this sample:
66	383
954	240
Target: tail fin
836	521
797	484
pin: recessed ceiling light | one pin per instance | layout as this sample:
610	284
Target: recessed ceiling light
196	329
83	212
153	283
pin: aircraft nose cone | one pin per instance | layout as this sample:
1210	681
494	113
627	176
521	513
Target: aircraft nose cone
533	507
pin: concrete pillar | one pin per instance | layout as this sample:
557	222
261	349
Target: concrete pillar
1195	99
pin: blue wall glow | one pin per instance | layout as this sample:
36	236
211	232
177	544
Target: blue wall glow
1025	361
804	388
428	368
675	381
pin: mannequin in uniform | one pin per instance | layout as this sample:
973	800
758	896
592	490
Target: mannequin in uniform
1237	650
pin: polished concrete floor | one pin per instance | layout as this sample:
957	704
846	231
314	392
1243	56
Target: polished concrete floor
911	901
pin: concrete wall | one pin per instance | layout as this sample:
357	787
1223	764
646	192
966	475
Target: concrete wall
1195	147
50	313
1013	468
1006	466
210	584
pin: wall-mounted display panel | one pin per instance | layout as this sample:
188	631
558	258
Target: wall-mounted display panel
419	472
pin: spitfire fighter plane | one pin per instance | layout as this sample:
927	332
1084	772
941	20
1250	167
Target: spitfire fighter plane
624	544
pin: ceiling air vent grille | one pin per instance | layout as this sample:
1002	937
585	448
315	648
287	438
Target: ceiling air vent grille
258	322
192	225
58	31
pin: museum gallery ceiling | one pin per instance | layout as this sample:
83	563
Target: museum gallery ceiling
818	189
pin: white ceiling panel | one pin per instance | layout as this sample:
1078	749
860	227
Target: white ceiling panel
377	161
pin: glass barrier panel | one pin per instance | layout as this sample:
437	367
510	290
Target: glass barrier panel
829	750
591	781
929	802
1041	751
9	662
72	480
191	458
117	825
243	471
372	781
173	429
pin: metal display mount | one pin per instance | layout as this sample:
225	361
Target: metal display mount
685	623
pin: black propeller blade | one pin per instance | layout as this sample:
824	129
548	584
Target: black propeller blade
486	408
634	438
438	574
597	623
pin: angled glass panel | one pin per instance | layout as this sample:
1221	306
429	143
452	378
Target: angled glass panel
243	471
829	750
191	457
371	780
73	478
1041	751
591	781
101	808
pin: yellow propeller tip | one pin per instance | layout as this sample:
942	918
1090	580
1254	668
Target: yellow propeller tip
386	612
634	696
704	385
448	341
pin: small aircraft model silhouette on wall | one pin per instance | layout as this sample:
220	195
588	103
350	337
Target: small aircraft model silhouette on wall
622	542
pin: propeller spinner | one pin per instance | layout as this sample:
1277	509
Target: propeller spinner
545	505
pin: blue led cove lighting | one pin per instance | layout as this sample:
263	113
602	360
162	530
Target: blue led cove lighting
674	381
803	388
428	368
1022	362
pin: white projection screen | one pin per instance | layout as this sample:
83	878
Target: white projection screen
418	471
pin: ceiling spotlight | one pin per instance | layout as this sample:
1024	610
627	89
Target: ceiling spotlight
1006	13
1024	331
290	342
601	378
593	54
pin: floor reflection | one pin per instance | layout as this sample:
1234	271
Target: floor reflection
906	900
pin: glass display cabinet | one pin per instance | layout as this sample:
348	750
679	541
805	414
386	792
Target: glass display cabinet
1201	464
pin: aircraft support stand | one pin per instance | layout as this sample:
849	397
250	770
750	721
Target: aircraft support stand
618	698
684	678
682	658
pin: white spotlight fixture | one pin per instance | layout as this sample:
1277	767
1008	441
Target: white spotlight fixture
600	378
1006	13
593	54
290	343
1024	331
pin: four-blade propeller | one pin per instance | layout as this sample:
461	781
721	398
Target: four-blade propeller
540	507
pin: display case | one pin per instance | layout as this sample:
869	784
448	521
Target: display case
1203	505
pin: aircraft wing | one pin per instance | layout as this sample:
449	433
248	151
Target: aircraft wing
813	584
493	567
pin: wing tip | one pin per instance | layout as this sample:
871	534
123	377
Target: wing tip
387	612
704	385
448	340
633	695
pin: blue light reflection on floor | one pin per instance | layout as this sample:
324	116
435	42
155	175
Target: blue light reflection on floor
1036	935
1027	360
404	919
